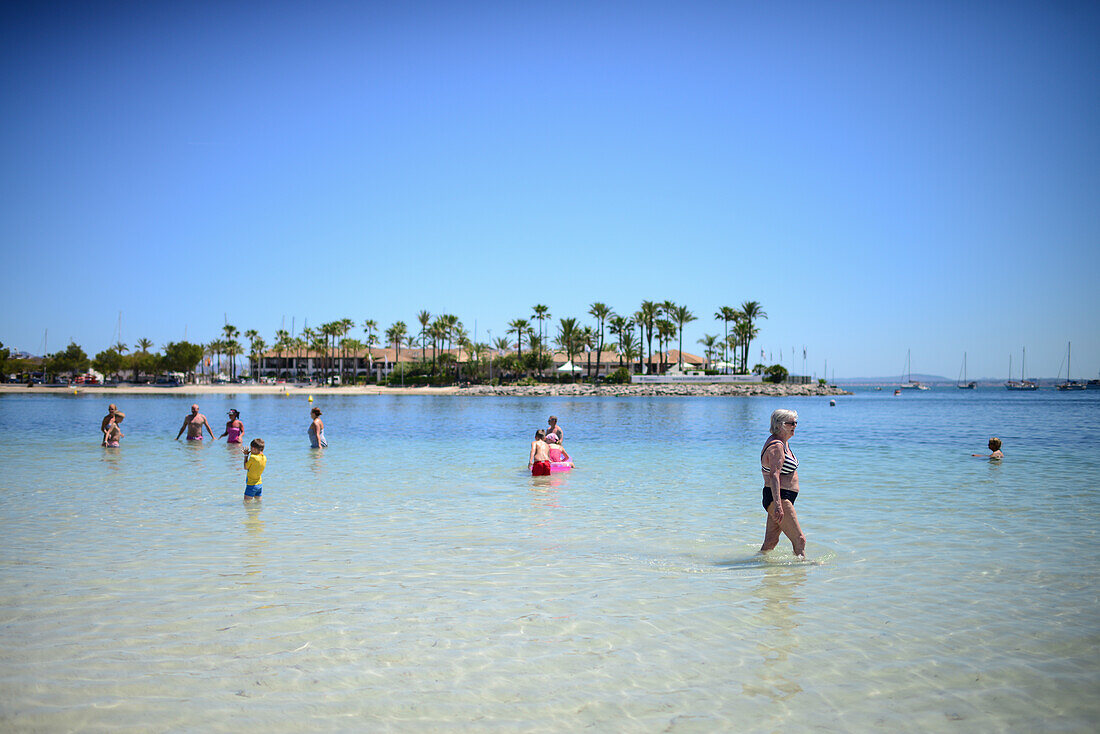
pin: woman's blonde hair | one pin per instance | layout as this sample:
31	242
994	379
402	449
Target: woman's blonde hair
779	417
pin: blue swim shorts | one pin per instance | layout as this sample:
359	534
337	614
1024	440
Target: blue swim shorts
253	490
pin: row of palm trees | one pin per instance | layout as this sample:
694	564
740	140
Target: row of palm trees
633	334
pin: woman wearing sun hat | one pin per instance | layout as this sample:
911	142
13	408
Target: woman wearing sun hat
234	429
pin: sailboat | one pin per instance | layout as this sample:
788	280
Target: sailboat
911	384
1023	384
963	384
1070	384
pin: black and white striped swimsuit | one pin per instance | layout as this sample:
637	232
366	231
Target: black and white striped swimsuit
790	461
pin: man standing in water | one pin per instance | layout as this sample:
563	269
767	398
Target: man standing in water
193	424
554	434
113	418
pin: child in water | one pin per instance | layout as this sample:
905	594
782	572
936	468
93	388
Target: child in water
112	435
539	459
254	463
995	447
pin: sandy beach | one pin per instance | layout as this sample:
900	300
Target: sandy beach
547	390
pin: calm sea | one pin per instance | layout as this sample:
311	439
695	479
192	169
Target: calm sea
413	577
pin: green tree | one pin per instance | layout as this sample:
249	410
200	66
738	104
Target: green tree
232	348
541	313
666	330
586	340
568	337
424	318
725	314
281	346
182	357
750	311
601	312
682	316
395	335
349	345
646	317
109	362
777	373
256	347
136	359
621	328
519	327
145	362
709	342
71	360
307	343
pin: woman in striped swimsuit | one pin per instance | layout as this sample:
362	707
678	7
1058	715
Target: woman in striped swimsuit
780	468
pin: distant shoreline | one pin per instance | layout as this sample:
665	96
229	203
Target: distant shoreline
548	390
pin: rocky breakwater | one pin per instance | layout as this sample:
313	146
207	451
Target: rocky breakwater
677	389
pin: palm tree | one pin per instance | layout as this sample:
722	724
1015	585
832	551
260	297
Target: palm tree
143	344
319	346
215	347
297	343
601	312
666	330
369	327
352	346
251	335
637	319
750	311
646	316
586	339
451	327
424	318
256	347
744	332
567	338
462	341
231	333
629	349
282	343
232	349
682	316
438	333
725	314
306	342
541	314
395	335
519	327
709	343
621	328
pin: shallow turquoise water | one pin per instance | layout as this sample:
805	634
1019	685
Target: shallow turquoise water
413	576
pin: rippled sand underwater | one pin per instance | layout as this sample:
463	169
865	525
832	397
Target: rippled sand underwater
413	577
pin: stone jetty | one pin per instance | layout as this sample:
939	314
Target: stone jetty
658	390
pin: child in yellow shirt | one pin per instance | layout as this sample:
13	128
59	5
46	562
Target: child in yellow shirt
254	463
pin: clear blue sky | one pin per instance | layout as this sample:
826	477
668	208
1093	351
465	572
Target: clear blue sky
880	176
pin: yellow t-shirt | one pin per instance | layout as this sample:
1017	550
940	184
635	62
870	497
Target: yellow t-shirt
255	466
